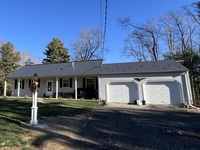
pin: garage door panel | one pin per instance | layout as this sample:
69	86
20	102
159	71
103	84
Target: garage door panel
162	93
122	92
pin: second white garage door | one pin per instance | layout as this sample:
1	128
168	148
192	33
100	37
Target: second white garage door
122	92
162	93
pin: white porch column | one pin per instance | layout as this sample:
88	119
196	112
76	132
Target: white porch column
18	87
5	87
75	87
99	91
56	87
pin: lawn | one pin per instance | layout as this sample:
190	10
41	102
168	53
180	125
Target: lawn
14	111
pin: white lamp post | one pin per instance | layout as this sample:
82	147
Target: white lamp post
34	107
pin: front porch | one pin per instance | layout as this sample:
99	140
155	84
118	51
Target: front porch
56	87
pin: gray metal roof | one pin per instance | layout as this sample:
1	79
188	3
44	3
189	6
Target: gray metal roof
96	67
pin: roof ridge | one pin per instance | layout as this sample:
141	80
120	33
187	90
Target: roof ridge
140	62
70	62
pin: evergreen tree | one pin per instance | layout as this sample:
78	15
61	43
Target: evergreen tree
9	62
9	58
56	52
189	57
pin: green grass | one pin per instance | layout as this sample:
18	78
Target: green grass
73	103
13	111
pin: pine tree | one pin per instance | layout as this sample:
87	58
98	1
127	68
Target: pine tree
56	52
9	58
9	62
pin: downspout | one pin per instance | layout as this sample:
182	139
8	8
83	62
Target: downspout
189	92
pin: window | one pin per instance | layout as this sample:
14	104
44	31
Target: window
66	82
90	83
21	84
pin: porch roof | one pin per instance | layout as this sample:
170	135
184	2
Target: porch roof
96	67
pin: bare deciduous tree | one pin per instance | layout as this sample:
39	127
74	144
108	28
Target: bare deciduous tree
143	40
167	33
27	59
177	33
88	45
181	33
136	51
193	12
186	35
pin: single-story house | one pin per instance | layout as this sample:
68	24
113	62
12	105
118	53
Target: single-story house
156	82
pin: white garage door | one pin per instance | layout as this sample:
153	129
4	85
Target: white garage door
123	92
162	93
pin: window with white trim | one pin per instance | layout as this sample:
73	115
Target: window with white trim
66	82
90	83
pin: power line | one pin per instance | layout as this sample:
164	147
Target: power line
105	24
105	21
101	18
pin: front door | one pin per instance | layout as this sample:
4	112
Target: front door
49	88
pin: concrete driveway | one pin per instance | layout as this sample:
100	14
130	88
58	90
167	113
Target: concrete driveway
140	128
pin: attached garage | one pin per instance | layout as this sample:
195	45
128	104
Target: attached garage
162	93
122	92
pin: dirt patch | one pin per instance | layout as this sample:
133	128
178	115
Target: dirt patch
152	107
104	128
58	133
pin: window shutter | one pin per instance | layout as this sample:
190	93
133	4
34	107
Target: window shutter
60	82
38	83
96	83
83	82
29	82
15	83
70	82
22	83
